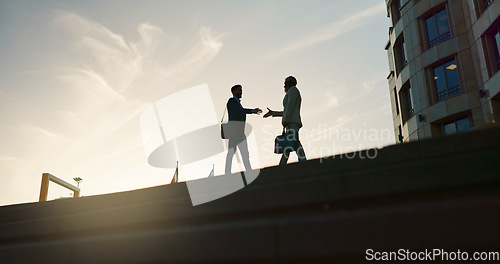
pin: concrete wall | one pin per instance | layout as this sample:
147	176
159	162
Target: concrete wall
437	193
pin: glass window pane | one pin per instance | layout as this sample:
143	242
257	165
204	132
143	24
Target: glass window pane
402	55
440	79
442	22
407	104
404	51
452	74
431	28
463	125
450	129
496	44
410	98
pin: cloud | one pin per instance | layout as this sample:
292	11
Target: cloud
145	69
106	53
344	97
368	87
199	56
110	79
333	100
8	161
83	110
335	29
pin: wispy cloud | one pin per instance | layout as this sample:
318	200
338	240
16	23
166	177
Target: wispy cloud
200	55
335	29
8	159
343	97
114	78
95	86
110	78
137	69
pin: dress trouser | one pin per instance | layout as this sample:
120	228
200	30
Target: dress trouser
237	141
293	129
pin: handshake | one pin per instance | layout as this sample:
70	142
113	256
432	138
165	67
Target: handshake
269	112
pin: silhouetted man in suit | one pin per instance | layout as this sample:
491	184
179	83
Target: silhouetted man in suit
237	117
291	120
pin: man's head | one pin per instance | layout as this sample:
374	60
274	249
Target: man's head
237	91
290	81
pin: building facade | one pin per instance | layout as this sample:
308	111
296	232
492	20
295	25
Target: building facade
444	62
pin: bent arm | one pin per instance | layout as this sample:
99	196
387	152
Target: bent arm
246	110
293	98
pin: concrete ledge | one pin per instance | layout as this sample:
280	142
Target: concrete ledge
435	193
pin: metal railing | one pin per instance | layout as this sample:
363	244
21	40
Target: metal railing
442	38
44	189
449	92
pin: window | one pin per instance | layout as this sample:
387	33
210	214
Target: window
406	99
446	80
404	55
438	28
396	11
496	47
401	54
492	49
457	126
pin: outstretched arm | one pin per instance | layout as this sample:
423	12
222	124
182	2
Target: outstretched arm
236	107
257	111
273	113
252	111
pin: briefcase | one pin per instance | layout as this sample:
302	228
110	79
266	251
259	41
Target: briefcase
232	130
284	141
222	127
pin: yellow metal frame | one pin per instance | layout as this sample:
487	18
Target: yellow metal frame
46	178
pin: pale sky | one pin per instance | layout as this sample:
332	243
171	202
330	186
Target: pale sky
75	77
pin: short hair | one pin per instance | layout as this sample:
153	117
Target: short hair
290	81
236	86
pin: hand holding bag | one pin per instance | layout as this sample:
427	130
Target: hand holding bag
283	142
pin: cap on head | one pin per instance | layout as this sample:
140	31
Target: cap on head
290	81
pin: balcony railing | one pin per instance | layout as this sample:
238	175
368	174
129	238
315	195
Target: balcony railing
449	92
442	38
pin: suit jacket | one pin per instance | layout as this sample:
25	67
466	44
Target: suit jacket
291	107
235	111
